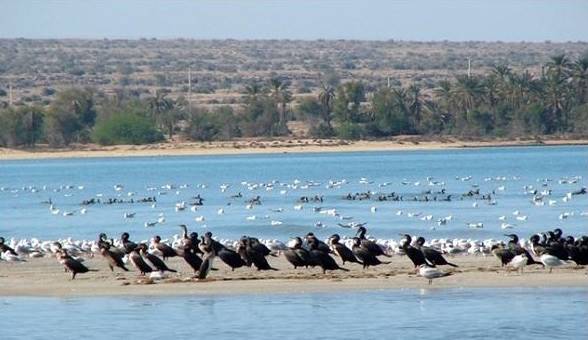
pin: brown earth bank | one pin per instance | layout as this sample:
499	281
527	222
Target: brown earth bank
253	146
46	277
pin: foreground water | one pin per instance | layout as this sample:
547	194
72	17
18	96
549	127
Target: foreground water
504	171
387	314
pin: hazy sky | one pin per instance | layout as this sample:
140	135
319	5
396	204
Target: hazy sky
506	20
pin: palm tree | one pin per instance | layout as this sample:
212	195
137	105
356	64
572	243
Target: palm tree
467	93
326	97
281	96
253	91
580	78
415	104
559	65
160	110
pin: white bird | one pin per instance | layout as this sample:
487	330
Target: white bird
251	218
399	213
373	210
199	219
431	273
83	211
502	218
478	225
194	208
518	262
516	213
161	220
298	207
276	223
68	213
129	215
507	226
220	211
475	204
522	218
551	261
150	224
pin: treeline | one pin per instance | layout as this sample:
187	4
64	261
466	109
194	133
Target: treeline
502	103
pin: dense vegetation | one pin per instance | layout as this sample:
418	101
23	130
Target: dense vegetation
502	102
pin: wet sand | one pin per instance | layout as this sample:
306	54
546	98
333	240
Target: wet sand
270	146
46	277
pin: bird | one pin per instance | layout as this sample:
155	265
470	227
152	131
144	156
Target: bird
551	261
341	250
519	262
415	255
138	261
432	255
296	255
431	273
371	246
364	256
114	258
155	261
72	265
166	251
322	259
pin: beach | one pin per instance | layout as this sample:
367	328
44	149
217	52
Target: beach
46	277
269	147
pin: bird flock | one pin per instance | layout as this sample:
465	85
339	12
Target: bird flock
549	249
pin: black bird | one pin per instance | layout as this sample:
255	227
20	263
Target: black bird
578	250
256	254
166	251
209	255
5	248
128	245
231	258
514	245
505	255
371	246
432	255
322	246
322	259
415	255
155	261
341	250
138	262
365	256
71	264
296	255
113	258
189	254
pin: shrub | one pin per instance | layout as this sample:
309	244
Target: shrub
125	128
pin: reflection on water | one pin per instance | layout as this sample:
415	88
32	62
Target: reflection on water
431	314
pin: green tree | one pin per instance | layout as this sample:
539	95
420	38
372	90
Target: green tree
326	97
348	101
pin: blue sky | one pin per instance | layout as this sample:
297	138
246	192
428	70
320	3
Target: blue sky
505	20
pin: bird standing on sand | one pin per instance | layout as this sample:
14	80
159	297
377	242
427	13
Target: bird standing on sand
431	273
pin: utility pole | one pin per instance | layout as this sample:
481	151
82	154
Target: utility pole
388	81
469	67
10	93
190	89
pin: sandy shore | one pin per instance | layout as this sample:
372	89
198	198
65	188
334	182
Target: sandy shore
276	146
45	277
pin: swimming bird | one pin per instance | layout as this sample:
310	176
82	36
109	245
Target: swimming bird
341	250
431	273
432	255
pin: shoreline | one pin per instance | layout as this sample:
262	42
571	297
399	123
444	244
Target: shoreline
267	147
45	278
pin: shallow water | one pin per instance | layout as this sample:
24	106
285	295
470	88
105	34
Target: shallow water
425	313
25	216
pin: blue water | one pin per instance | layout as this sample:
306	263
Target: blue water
23	215
387	314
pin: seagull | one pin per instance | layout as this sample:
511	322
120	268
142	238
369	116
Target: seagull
199	219
431	273
129	215
551	261
150	224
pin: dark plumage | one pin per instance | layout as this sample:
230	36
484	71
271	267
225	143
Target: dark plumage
166	251
128	245
432	255
5	248
365	256
114	259
371	246
139	263
296	255
415	255
342	251
155	261
71	264
322	259
320	245
514	245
